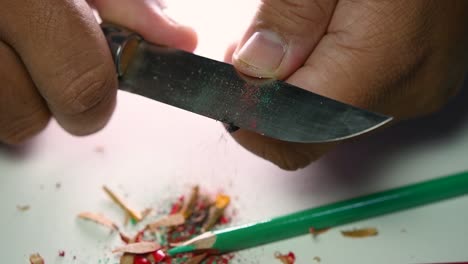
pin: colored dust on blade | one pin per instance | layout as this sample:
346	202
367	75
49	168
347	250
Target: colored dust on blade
188	217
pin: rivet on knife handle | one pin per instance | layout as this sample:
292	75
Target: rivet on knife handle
216	90
122	43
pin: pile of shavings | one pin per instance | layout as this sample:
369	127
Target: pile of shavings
187	218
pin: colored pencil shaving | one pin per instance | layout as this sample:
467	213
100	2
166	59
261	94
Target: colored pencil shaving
188	206
99	219
197	259
138	248
23	208
316	232
360	233
167	221
289	258
36	259
186	219
216	211
136	215
127	259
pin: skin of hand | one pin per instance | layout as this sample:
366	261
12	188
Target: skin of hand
55	61
401	58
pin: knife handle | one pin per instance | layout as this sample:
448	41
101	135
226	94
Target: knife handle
122	43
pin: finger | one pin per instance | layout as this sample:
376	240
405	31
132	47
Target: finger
67	56
148	19
281	36
23	113
288	156
359	63
229	52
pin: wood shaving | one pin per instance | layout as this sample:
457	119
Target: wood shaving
99	219
23	208
188	206
146	213
289	258
196	259
167	221
216	211
127	259
360	233
317	259
316	232
119	201
138	248
222	201
127	219
36	259
125	238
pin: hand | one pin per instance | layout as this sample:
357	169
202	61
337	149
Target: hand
54	60
400	58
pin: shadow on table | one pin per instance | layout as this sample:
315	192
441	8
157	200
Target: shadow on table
355	163
17	152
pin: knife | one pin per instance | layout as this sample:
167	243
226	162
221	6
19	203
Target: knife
216	90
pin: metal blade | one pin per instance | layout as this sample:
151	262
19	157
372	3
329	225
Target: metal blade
216	90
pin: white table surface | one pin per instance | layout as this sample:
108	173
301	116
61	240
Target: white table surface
152	152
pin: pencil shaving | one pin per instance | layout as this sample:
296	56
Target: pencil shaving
138	248
167	221
216	211
316	232
289	258
125	238
222	201
99	219
360	233
146	213
197	259
23	208
127	259
119	201
126	219
36	259
187	209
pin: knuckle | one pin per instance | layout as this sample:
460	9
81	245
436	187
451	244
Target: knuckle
22	128
294	16
87	90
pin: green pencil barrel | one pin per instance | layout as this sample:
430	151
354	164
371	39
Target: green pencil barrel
341	213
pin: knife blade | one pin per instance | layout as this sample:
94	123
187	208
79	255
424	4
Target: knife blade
216	90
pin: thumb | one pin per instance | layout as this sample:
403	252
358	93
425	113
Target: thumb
281	37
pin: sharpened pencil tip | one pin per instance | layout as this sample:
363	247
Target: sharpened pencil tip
180	249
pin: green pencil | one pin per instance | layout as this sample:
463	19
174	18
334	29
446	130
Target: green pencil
300	223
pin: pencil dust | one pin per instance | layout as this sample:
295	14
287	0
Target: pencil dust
187	218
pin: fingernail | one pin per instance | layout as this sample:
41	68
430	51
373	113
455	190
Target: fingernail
262	54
